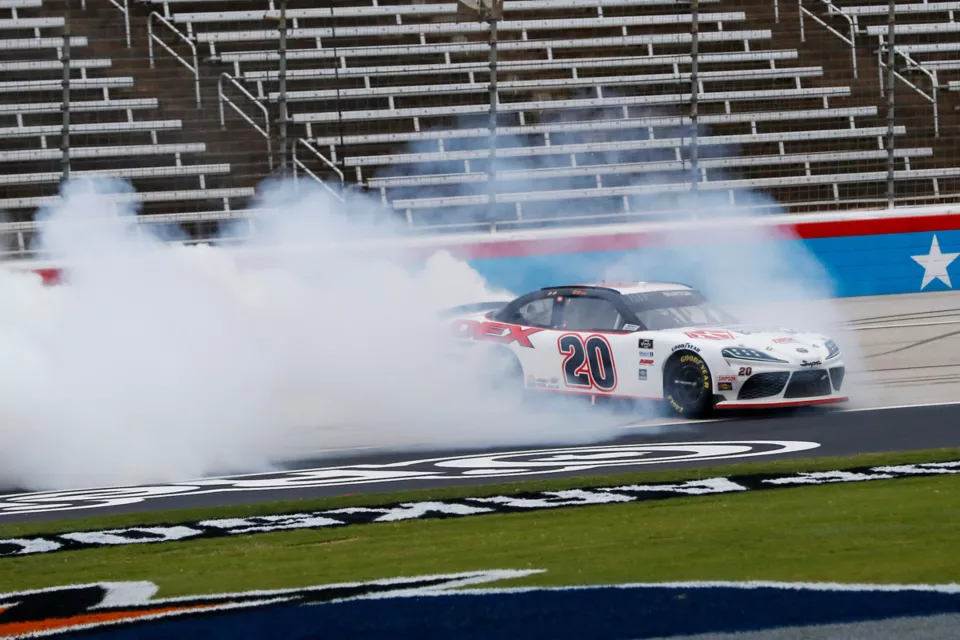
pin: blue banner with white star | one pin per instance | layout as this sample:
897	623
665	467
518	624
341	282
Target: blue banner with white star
843	266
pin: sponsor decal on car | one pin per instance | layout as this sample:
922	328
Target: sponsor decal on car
802	350
784	341
631	327
688	346
645	343
642	374
468	507
710	334
646	361
726	386
646	354
494	332
727	378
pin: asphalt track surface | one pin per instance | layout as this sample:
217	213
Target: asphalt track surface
906	396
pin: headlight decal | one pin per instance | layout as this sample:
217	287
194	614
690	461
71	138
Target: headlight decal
744	353
832	349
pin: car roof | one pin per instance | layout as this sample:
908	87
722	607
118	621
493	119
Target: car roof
626	288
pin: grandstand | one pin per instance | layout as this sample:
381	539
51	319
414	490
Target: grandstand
594	122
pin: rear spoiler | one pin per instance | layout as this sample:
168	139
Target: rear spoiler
475	307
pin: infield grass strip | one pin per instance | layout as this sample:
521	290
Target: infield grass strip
884	531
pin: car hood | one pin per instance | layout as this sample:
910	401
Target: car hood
786	344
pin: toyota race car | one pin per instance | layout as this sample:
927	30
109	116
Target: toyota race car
651	340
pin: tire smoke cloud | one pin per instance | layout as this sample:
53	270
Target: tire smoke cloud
162	361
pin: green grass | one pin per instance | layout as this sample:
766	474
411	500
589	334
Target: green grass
898	531
894	532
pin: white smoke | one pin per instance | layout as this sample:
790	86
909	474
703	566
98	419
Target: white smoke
161	362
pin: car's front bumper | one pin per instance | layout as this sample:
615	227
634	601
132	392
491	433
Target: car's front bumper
784	387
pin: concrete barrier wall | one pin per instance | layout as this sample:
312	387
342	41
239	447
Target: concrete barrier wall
848	254
873	253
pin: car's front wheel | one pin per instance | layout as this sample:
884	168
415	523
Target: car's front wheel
688	385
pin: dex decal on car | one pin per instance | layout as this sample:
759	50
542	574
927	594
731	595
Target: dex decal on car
495	332
588	362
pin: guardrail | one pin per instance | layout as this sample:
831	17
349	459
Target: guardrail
915	66
124	9
152	37
833	11
298	163
222	98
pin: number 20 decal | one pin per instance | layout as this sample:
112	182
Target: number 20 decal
587	363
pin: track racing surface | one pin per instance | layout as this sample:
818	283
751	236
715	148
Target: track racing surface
909	390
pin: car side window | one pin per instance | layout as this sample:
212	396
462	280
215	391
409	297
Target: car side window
589	314
537	313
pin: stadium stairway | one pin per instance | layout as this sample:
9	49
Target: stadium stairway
174	86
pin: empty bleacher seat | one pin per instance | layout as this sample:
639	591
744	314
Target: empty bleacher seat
590	92
115	132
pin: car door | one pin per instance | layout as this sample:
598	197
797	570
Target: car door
533	315
597	354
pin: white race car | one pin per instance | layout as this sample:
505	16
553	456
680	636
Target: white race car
655	341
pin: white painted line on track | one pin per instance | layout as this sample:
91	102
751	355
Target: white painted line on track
648	425
689	423
902	406
900	325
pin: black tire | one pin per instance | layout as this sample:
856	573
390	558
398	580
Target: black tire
688	385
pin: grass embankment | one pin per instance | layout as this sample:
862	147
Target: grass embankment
896	531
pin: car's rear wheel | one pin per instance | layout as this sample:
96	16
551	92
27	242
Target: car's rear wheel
504	375
688	385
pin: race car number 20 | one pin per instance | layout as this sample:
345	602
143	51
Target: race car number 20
588	362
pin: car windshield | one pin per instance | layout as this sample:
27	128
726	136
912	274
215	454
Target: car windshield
661	310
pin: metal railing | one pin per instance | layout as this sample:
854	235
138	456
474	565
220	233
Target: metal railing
298	164
223	99
125	10
334	91
833	11
152	37
912	65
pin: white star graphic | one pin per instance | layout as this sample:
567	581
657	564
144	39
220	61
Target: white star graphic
935	264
